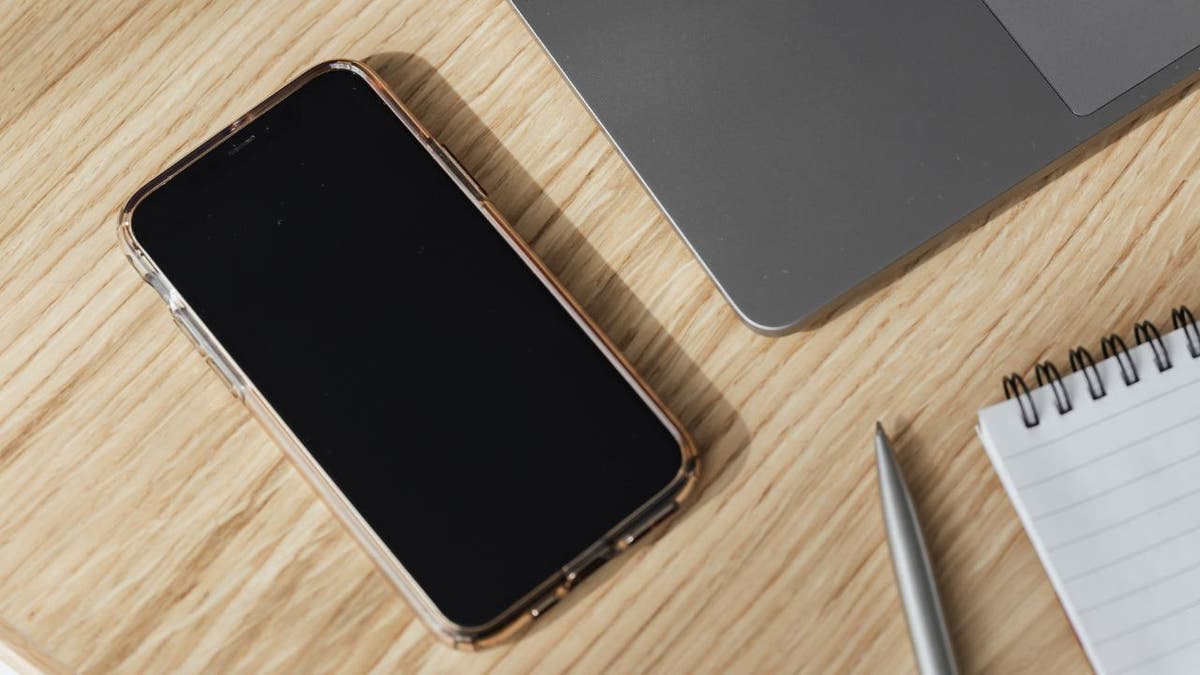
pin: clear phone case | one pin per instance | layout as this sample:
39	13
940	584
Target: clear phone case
553	589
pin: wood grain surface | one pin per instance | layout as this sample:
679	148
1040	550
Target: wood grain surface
147	524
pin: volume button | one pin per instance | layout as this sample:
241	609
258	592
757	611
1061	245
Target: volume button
206	349
156	282
214	362
190	330
459	170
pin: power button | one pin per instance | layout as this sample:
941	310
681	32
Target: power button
459	171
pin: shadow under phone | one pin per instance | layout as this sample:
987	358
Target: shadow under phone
719	431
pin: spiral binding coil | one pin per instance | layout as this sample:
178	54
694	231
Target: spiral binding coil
1081	361
1182	317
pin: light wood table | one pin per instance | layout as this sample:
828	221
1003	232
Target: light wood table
147	524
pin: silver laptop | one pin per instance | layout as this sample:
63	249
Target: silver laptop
800	146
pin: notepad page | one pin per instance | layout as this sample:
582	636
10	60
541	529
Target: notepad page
1109	494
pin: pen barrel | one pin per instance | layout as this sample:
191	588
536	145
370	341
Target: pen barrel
932	649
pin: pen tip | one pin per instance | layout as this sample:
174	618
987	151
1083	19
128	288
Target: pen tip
883	444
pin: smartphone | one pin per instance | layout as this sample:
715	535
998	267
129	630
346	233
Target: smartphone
472	428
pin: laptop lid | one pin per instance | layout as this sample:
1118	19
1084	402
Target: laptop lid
801	147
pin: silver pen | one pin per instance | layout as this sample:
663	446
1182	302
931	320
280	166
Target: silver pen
914	576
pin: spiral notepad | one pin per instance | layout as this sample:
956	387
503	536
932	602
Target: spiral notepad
1103	467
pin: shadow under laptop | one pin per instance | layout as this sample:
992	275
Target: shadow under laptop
719	432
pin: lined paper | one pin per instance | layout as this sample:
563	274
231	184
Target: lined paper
1109	494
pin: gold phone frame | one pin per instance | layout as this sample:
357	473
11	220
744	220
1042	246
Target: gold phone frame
539	599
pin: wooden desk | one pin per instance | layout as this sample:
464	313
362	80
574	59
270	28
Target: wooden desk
147	524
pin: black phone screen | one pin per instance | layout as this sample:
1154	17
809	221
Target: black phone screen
459	407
